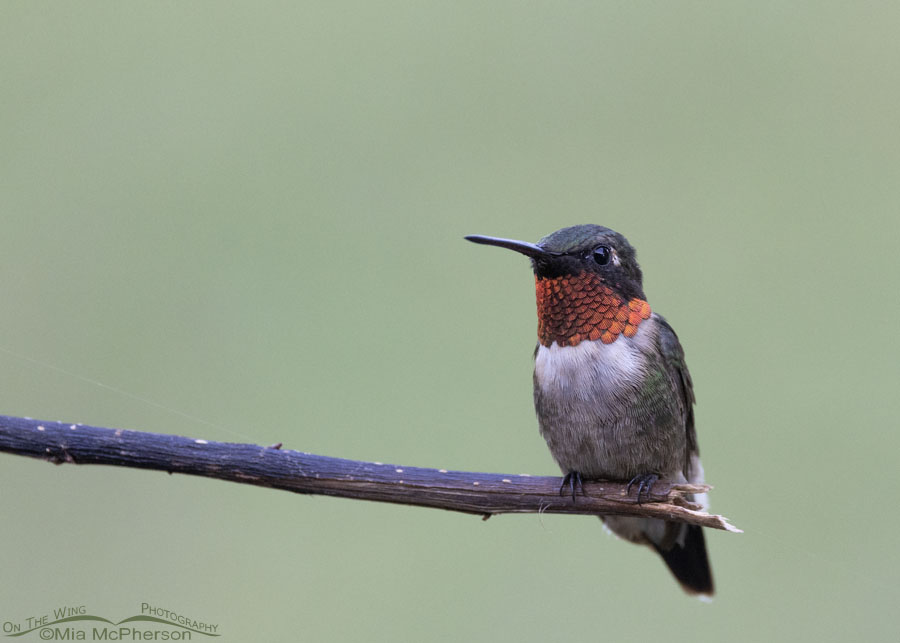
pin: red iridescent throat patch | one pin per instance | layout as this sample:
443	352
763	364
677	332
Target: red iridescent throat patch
578	307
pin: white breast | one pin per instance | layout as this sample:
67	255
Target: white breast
593	369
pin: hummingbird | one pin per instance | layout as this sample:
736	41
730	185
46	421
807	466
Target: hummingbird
612	393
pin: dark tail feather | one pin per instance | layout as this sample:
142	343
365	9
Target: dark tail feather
689	563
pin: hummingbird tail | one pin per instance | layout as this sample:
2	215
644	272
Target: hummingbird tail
688	562
681	546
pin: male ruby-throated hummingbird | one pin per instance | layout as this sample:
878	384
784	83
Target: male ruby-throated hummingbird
613	395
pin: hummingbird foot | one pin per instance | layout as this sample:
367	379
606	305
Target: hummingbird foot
645	482
574	482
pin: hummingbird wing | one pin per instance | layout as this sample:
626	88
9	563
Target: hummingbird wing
673	356
683	547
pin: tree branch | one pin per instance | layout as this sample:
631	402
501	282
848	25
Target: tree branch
485	494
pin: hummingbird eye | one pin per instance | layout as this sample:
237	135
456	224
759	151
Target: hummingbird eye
602	255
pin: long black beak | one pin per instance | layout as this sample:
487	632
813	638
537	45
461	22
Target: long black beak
524	247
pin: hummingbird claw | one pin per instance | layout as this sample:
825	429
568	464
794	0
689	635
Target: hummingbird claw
573	481
645	482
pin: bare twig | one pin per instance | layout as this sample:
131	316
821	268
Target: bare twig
484	494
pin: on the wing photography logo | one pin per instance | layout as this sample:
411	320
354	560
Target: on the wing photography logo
74	623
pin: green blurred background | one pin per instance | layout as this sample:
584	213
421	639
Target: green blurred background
251	216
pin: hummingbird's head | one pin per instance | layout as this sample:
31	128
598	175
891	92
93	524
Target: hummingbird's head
588	283
581	249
